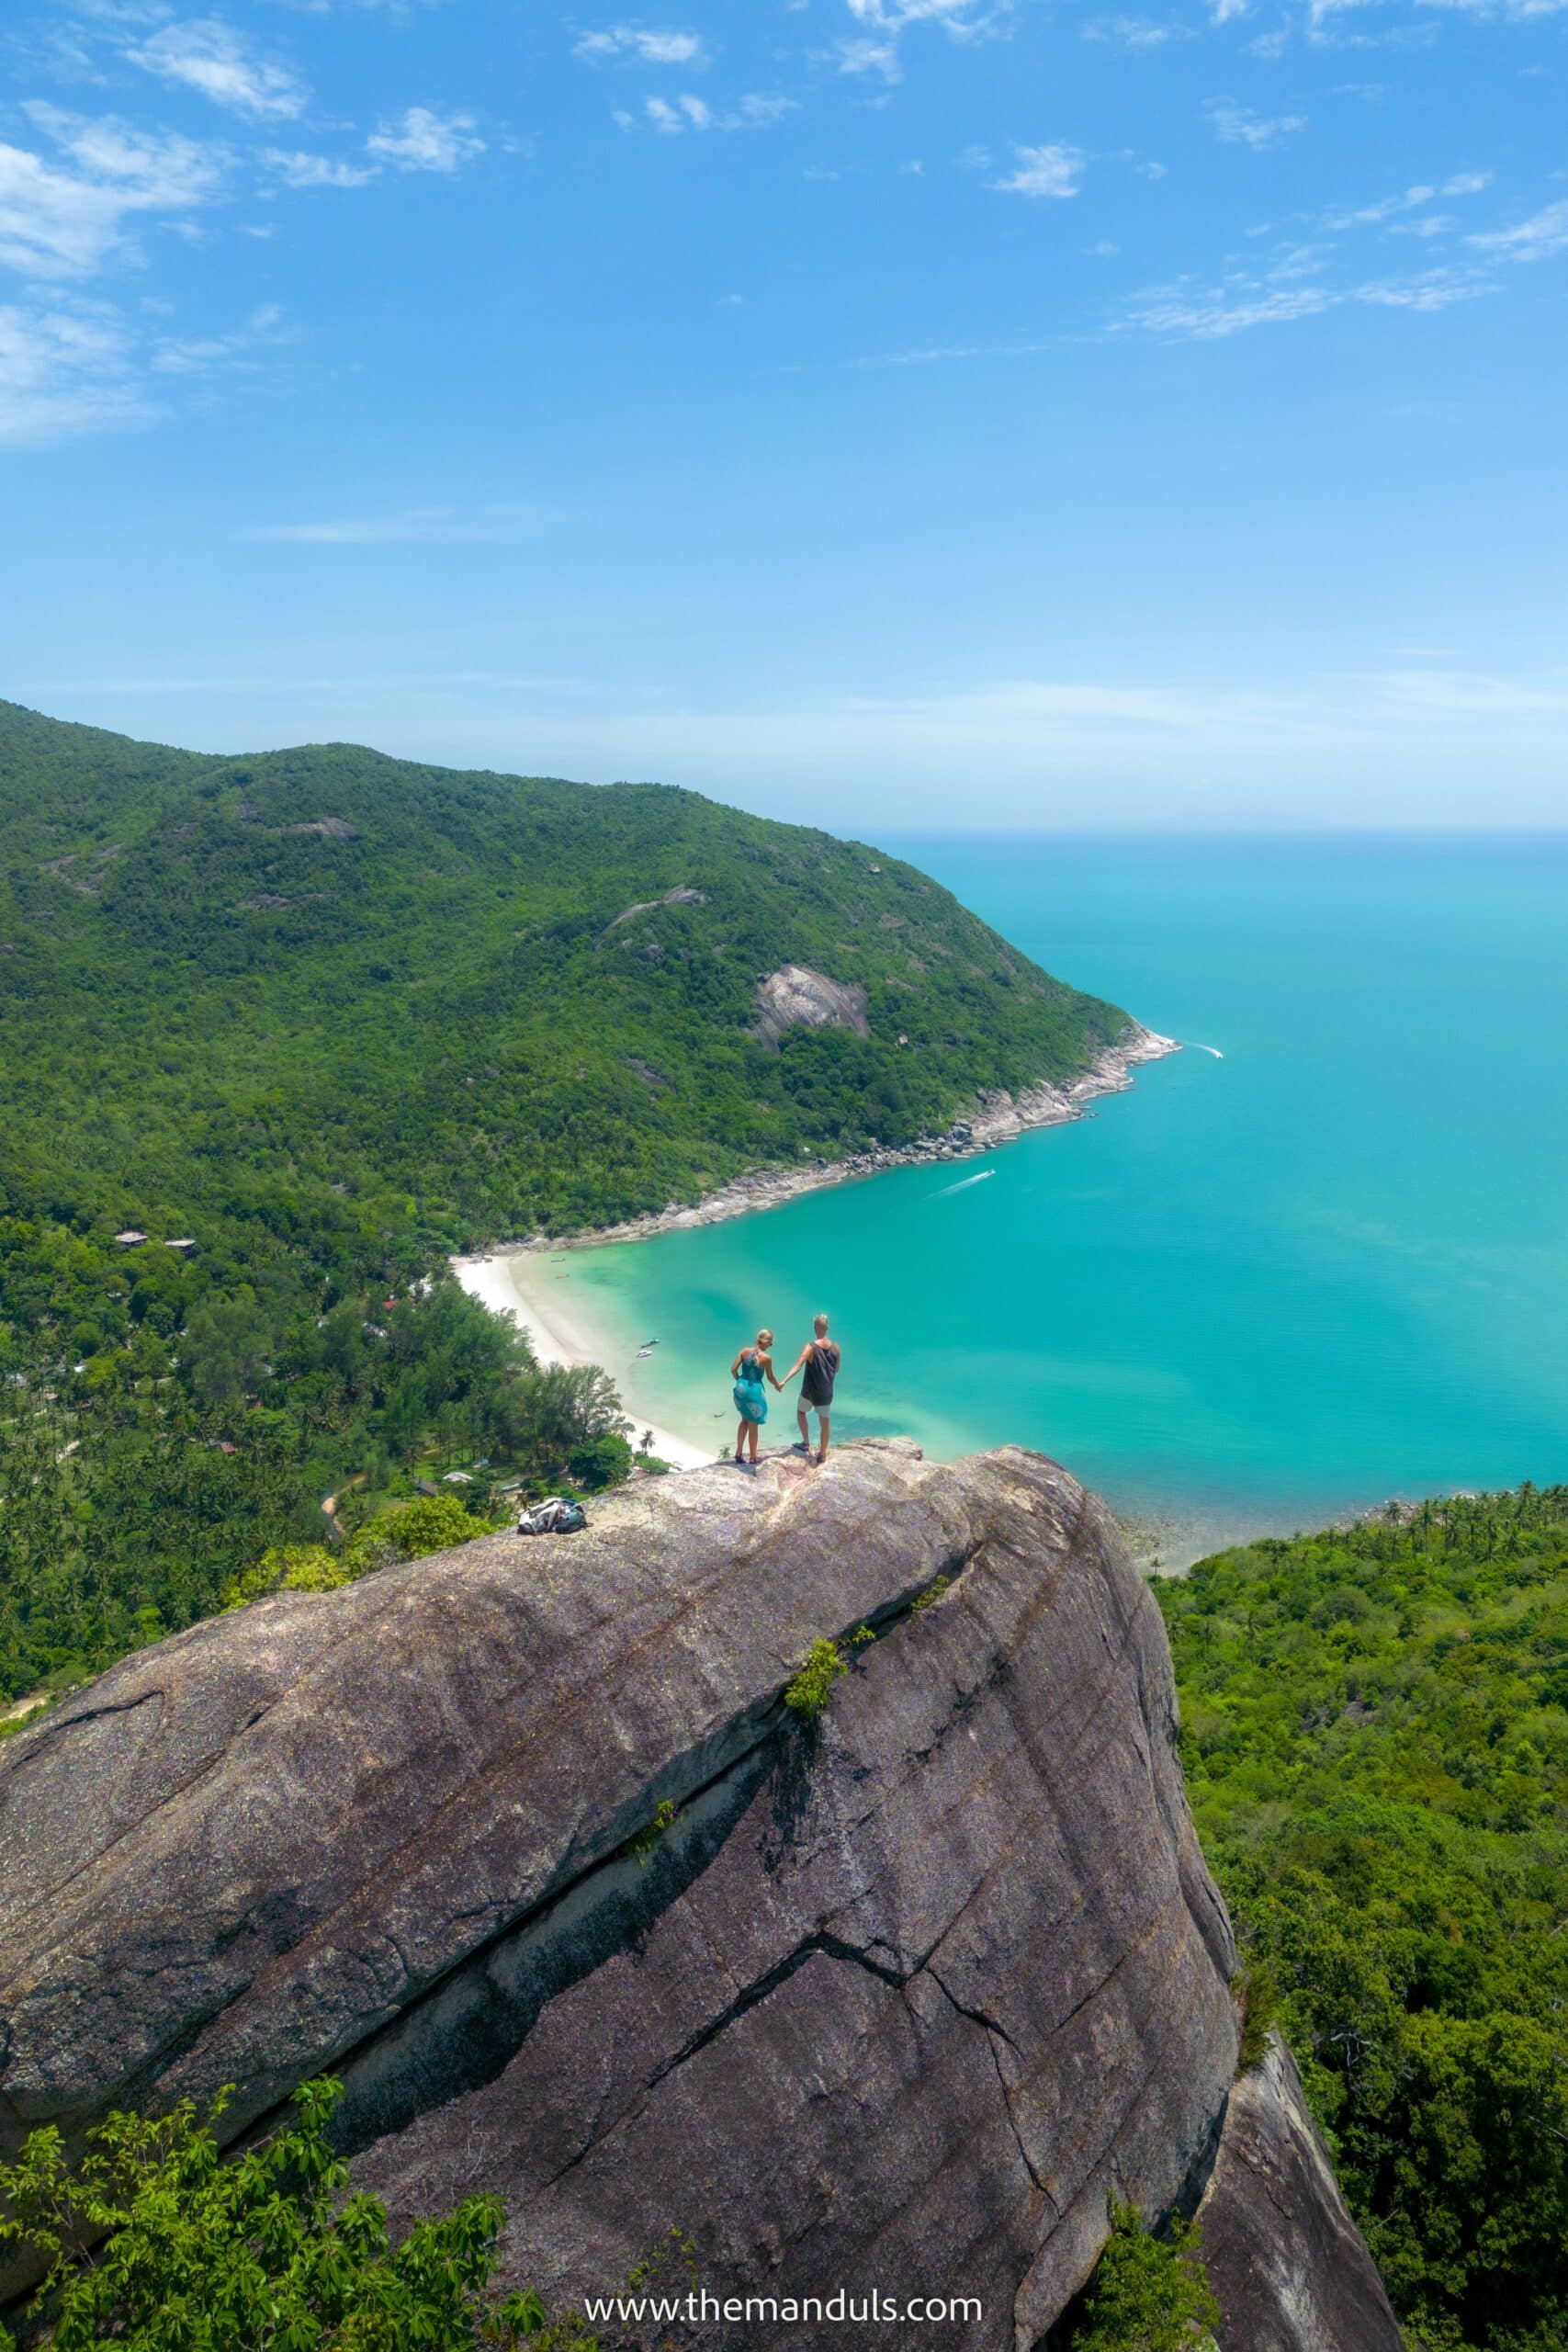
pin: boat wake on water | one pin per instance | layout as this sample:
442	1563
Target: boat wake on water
1193	1046
964	1183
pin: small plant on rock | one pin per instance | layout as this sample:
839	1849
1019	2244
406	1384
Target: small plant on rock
648	1838
808	1693
932	1595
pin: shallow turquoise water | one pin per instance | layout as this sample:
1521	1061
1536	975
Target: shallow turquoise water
1329	1268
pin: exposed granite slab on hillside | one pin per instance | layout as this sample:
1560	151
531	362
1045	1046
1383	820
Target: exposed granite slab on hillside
798	998
892	2005
1289	2268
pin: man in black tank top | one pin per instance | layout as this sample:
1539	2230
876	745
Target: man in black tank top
818	1361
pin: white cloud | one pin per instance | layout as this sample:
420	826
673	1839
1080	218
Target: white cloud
1210	317
1167	751
64	373
301	171
63	219
417	527
1292	291
690	113
1444	693
1139	34
870	57
1410	199
957	16
1544	233
1239	127
647	47
1044	171
1435	290
423	140
197	355
208	55
1511	11
874	49
1222	12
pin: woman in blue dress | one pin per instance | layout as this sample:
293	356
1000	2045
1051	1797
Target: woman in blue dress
751	1367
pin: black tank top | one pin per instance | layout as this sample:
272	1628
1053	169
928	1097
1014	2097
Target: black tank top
821	1371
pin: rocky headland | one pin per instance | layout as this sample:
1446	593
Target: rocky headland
524	1842
996	1117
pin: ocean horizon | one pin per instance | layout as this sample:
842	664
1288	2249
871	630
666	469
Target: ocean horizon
1323	1263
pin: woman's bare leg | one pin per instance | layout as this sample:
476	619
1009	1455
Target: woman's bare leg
740	1428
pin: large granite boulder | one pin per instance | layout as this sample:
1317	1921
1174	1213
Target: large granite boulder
795	997
892	2004
1289	2266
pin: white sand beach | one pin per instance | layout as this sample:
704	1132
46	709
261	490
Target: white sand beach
524	1286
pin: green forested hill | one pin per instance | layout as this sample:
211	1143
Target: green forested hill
325	1016
324	967
1375	1734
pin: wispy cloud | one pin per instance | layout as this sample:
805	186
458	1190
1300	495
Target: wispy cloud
864	56
62	218
1445	694
1512	11
688	112
292	169
1137	34
208	55
417	527
1187	312
962	18
1388	209
424	139
1044	171
199	355
1543	234
874	49
642	44
1239	127
62	373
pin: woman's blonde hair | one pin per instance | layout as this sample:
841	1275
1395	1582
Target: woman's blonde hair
764	1339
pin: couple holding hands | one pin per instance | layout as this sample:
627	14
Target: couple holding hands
817	1361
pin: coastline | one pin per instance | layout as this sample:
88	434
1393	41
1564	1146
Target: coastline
999	1118
502	1280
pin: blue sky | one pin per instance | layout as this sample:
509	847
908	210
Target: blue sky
980	411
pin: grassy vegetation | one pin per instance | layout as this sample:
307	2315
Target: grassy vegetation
1147	2294
326	1017
1375	1733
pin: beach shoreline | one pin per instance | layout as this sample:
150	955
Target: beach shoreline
557	1335
503	1280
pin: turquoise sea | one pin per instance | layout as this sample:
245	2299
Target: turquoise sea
1253	1291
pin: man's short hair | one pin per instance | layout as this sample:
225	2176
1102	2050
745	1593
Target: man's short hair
820	1322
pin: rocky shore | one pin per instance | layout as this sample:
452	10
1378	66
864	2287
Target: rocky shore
996	1118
